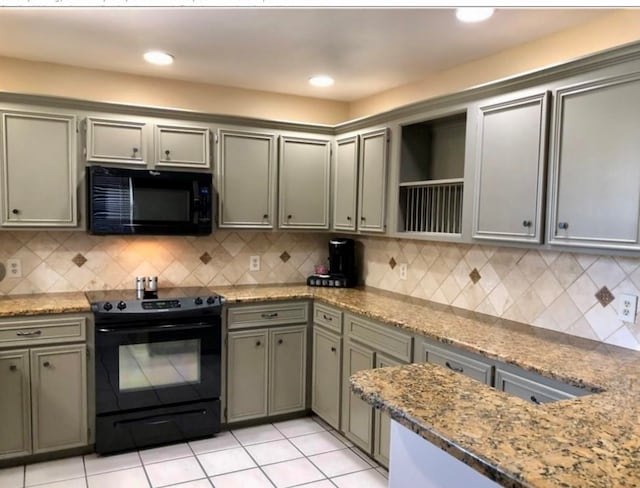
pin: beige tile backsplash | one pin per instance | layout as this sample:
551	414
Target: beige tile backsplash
554	290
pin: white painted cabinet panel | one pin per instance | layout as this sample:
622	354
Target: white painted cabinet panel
372	180
182	146
116	141
345	184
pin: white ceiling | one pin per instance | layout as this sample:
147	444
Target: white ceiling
365	50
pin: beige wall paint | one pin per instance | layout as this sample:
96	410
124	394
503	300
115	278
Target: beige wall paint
21	76
618	28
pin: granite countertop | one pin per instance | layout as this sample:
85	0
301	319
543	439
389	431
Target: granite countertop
43	303
591	441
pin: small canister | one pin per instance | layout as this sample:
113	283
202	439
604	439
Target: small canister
140	286
152	283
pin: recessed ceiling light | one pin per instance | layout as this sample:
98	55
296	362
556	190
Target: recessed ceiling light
321	80
473	14
158	57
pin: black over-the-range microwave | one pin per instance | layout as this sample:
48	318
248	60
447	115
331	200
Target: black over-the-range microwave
142	201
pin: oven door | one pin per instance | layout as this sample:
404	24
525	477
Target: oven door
141	366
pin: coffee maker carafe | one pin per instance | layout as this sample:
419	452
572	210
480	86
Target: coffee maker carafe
342	266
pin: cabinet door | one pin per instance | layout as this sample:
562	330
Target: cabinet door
59	397
39	170
15	412
510	170
246	179
287	369
247	375
382	434
116	141
373	177
596	165
357	415
182	146
345	184
304	183
325	383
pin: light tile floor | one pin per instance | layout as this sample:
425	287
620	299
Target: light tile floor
304	452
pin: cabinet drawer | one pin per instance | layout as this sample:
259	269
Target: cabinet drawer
42	331
529	389
473	368
379	337
261	315
328	317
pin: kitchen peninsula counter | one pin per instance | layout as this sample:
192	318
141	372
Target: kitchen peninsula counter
590	441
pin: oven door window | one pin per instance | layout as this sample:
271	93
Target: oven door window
159	364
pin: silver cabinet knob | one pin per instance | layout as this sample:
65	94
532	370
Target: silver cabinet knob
46	364
167	153
15	211
13	367
563	225
135	152
526	223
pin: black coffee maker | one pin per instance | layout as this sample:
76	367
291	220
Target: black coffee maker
342	266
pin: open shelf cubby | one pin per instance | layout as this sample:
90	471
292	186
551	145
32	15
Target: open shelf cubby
432	175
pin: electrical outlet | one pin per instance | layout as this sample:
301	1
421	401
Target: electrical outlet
254	263
403	271
14	268
627	311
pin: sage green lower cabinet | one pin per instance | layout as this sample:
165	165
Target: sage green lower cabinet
247	370
266	371
455	361
357	415
382	441
59	397
287	369
327	361
15	421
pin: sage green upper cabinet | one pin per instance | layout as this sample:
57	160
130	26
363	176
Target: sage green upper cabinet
372	180
38	170
304	183
246	179
345	184
510	169
182	146
116	141
596	164
360	171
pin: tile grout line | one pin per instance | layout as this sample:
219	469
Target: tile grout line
249	454
206	475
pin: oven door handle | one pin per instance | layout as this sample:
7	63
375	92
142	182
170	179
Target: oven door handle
153	328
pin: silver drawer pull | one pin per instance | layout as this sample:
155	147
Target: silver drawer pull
535	400
269	315
327	318
453	368
30	333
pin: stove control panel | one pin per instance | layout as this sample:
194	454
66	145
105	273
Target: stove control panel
157	305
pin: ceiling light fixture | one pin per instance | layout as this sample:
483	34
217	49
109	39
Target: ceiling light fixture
158	57
321	80
473	14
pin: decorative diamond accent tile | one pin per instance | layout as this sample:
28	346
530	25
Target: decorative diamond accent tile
475	275
285	257
392	263
79	260
206	258
604	296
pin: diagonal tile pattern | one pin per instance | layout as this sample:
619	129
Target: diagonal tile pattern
241	458
551	289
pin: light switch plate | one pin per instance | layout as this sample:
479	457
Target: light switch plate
627	310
